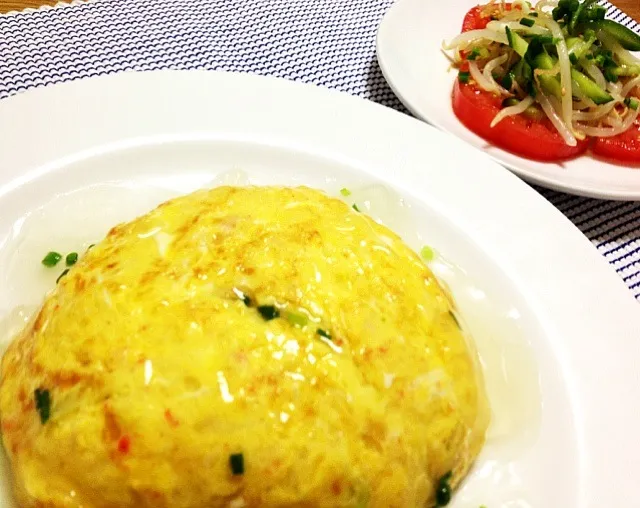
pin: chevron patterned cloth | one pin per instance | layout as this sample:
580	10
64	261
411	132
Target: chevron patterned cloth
329	43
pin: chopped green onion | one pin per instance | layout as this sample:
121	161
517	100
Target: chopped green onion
345	192
463	77
43	404
610	75
546	39
527	21
297	319
355	207
323	333
507	81
443	490
510	101
236	461
575	17
533	14
51	259
631	103
596	13
64	272
475	53
427	253
71	259
268	312
243	296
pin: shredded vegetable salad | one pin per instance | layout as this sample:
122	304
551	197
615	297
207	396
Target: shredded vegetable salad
559	59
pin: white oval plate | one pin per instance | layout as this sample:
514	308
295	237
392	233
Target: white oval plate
409	45
79	157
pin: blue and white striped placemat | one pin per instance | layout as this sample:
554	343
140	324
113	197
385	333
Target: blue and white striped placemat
327	42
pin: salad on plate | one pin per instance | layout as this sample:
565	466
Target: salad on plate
549	81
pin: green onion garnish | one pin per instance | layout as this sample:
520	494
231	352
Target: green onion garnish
268	312
43	404
443	491
345	192
51	259
297	319
427	254
323	333
245	299
355	207
64	272
631	103
527	21
475	53
507	81
610	75
236	461
545	39
71	259
463	77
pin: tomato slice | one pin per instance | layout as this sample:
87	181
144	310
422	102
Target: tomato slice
518	134
474	20
624	147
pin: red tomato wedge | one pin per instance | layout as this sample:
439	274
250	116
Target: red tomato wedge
474	20
519	134
624	147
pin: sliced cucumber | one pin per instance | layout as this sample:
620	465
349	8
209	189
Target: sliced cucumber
518	44
589	88
627	70
626	37
550	84
579	47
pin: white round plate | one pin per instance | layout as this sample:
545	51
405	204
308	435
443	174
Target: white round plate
556	328
409	46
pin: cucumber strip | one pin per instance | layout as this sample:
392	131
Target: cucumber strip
550	84
626	37
586	85
589	88
627	70
518	44
578	47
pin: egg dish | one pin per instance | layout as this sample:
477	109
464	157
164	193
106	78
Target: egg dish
243	346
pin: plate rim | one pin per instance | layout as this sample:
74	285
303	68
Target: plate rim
305	113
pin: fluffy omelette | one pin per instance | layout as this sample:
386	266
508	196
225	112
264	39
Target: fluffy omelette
243	346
